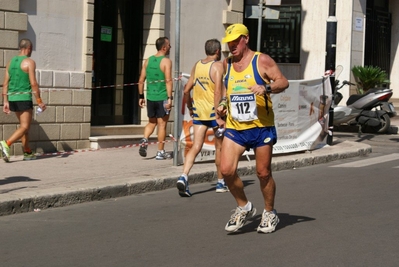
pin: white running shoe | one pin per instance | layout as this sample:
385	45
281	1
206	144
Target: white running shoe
269	222
5	149
160	155
238	219
143	147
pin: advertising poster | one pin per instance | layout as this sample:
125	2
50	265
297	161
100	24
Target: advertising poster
301	119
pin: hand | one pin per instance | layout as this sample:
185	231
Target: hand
142	102
221	111
6	108
220	122
258	89
169	105
42	106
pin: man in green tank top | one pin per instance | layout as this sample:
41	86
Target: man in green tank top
157	70
19	85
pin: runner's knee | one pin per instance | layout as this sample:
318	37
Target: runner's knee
264	176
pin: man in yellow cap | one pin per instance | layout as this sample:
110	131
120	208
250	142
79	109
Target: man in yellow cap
250	78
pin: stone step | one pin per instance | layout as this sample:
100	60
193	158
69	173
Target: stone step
395	102
119	135
115	135
109	141
114	141
117	130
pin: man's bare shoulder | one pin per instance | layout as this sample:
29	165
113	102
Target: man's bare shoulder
27	64
217	65
166	61
266	59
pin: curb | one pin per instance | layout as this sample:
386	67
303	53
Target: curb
354	129
280	162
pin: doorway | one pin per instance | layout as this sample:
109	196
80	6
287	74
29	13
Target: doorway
378	35
117	49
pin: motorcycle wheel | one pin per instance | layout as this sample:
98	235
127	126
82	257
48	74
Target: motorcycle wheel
382	128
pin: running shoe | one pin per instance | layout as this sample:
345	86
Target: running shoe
160	155
5	149
29	156
238	219
221	188
269	222
182	186
143	147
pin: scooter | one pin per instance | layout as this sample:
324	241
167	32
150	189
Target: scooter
370	111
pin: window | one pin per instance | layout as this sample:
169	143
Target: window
281	35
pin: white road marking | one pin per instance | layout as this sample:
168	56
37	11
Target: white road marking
370	161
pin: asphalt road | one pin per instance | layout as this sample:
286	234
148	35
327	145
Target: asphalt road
330	215
380	143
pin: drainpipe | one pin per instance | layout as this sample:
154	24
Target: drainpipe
331	45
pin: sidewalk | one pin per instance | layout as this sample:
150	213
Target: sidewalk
65	179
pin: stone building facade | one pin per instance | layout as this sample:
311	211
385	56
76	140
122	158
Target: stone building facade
64	37
65	125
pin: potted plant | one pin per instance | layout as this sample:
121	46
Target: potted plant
368	77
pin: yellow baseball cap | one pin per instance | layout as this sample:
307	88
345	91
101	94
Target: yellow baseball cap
234	31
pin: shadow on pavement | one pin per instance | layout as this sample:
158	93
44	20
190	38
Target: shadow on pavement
285	220
16	179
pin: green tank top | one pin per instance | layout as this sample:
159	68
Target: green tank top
19	87
156	86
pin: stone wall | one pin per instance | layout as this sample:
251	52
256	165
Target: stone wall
65	125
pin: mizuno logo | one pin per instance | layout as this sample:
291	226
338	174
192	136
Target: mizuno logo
239	98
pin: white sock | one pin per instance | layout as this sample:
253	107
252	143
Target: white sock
185	176
272	211
247	207
221	181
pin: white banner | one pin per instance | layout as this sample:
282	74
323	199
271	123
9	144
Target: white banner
301	115
301	119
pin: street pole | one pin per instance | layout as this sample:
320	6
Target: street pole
260	19
176	133
331	45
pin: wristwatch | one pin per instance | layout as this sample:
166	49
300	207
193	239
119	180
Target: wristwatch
268	89
170	97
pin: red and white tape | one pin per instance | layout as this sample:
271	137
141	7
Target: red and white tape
97	87
109	148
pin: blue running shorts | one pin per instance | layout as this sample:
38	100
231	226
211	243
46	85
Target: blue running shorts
253	138
209	124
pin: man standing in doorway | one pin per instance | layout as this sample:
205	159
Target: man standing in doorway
157	70
250	78
19	85
206	82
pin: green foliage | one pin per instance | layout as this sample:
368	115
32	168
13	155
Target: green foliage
368	77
